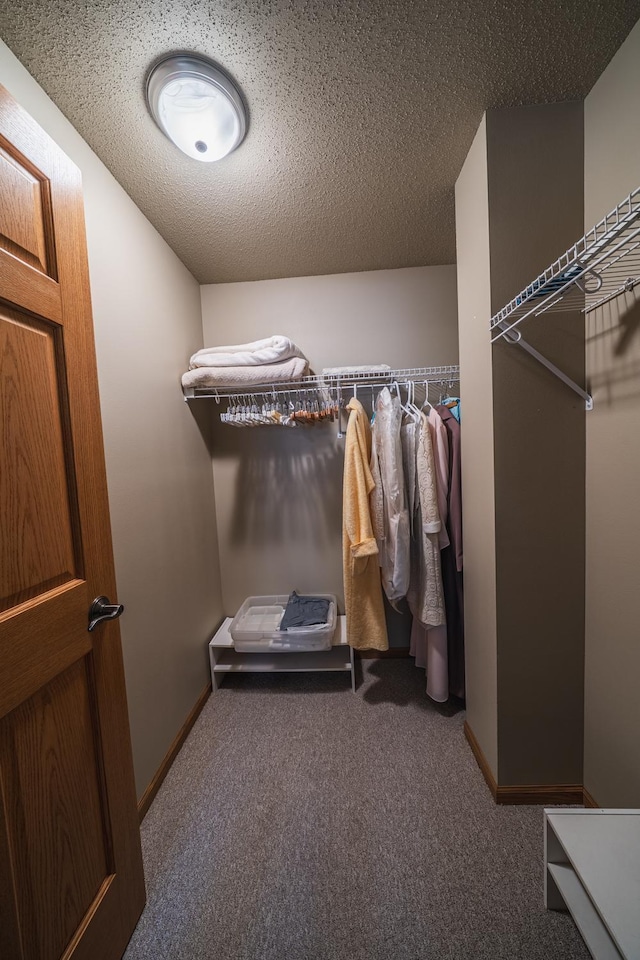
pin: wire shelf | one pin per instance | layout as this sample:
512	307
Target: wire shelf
336	382
598	268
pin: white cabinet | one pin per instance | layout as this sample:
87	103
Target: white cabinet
224	659
592	869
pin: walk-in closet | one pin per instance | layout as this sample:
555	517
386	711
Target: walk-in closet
319	459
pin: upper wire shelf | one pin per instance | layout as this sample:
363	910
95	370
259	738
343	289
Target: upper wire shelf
598	268
334	381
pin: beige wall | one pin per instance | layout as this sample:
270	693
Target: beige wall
478	498
279	492
401	317
146	309
612	704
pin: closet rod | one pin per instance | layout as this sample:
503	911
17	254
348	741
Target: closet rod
340	381
629	284
517	338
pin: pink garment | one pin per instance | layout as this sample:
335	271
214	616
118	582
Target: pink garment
429	647
437	664
440	444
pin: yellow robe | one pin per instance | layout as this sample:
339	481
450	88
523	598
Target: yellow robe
366	626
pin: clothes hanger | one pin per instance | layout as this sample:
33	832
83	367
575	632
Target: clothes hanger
404	407
450	402
411	409
374	401
250	411
246	412
449	397
413	405
427	402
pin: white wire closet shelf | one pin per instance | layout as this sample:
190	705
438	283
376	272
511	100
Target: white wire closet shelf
334	382
598	268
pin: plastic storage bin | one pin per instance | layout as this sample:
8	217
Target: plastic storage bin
255	627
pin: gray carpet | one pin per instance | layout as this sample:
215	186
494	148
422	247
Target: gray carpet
301	822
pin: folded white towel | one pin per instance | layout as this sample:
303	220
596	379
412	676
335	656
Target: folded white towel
364	368
270	350
239	377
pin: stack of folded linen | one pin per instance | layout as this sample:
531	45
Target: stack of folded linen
272	360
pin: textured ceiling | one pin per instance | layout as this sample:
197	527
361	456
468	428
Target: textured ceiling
361	113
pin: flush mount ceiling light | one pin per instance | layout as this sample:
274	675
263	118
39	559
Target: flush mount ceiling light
196	106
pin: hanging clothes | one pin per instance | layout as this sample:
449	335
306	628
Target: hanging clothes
428	597
408	443
376	499
452	558
389	497
409	434
366	626
440	444
454	502
430	648
453	404
428	642
429	645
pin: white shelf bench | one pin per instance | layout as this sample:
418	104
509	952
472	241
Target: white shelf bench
592	869
224	659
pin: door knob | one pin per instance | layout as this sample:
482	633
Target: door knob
101	610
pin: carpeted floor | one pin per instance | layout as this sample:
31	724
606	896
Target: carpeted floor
301	822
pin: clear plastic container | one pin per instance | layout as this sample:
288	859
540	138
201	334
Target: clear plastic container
255	627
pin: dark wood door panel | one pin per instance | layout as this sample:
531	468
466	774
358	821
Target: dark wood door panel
10	938
60	849
40	546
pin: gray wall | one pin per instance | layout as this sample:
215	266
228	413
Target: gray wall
612	705
519	204
478	474
535	160
147	319
279	492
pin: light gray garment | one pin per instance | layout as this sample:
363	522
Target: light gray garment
409	441
386	462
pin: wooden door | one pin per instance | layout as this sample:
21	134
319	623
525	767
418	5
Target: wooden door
71	880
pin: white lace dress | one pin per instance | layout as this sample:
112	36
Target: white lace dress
430	606
426	596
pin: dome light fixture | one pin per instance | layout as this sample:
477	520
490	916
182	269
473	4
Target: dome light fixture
196	106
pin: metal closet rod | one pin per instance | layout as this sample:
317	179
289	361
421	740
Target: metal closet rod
339	382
